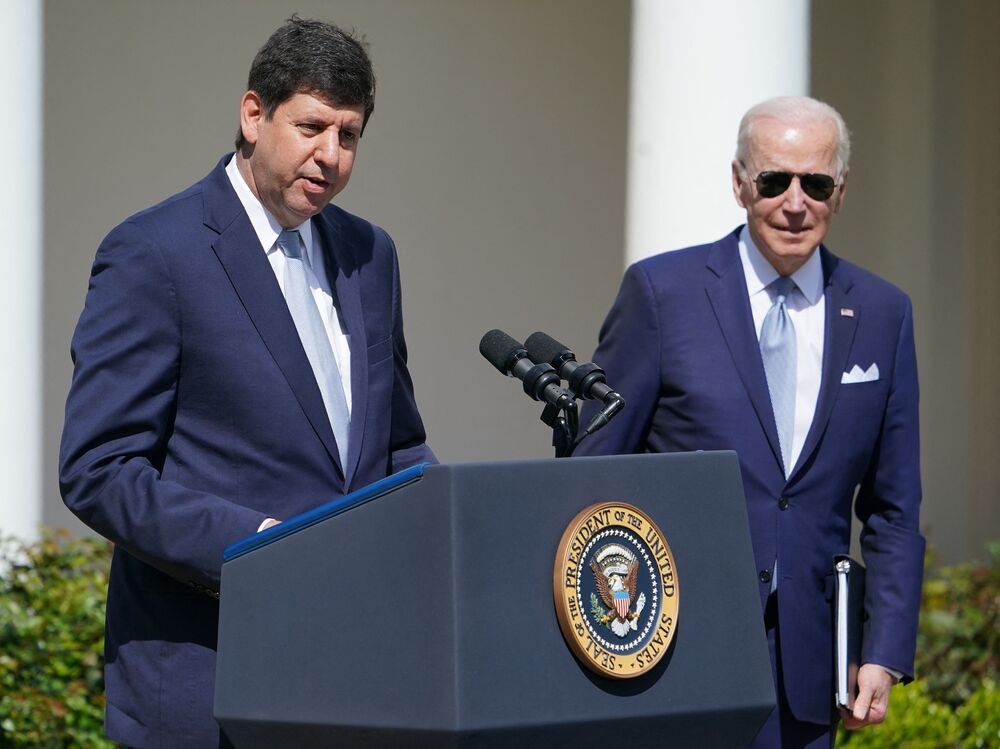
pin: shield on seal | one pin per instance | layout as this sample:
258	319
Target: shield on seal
622	601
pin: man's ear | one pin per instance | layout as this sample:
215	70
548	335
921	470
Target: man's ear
251	114
838	195
738	183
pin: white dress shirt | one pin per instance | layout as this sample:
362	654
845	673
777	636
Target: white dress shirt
807	310
268	229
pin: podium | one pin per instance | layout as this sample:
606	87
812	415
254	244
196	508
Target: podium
419	612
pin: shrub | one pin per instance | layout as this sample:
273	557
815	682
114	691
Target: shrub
52	597
979	718
958	645
955	702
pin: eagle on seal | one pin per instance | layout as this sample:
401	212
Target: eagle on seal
616	572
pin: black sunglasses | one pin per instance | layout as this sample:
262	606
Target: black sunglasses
773	184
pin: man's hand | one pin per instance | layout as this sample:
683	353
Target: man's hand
872	702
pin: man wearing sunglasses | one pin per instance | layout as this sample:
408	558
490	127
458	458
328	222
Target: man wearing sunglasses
766	343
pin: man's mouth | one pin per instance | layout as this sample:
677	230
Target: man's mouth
317	183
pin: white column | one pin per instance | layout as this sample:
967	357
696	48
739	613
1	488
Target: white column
20	303
696	68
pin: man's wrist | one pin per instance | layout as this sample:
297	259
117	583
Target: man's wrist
897	676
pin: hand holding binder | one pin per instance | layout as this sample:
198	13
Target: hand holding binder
872	701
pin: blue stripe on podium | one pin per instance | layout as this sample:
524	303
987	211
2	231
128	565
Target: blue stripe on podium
324	511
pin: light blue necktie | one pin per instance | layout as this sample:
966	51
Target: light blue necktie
315	341
777	349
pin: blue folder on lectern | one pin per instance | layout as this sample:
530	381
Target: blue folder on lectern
324	512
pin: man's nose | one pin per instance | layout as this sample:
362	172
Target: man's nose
795	199
327	152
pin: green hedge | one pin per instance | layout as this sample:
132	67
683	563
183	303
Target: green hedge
51	642
52	634
955	701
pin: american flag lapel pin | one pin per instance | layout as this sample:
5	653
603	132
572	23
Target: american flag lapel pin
846	312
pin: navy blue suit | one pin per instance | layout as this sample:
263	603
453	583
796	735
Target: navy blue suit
194	415
680	346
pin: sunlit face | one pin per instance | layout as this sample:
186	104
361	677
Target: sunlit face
301	157
789	227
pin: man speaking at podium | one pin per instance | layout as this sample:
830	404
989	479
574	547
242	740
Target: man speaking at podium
766	343
240	359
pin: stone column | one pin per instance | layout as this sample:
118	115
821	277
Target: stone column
20	303
696	67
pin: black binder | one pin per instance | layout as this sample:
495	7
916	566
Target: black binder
848	631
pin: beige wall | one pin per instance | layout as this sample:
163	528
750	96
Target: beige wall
495	158
918	82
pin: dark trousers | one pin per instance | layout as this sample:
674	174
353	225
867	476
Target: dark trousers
224	742
782	730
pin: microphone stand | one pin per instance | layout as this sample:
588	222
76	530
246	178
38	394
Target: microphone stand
565	423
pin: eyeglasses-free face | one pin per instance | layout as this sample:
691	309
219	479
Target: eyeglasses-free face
772	184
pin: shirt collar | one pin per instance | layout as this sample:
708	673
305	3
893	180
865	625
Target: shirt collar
265	225
759	273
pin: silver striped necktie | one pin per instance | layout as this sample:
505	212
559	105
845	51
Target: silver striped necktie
777	349
315	341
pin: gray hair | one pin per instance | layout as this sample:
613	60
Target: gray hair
798	109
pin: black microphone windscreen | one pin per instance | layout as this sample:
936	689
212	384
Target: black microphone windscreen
498	347
543	348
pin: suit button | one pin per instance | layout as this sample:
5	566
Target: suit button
783	503
765	576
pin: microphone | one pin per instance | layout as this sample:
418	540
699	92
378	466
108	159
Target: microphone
541	382
586	380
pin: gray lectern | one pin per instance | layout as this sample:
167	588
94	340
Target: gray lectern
419	612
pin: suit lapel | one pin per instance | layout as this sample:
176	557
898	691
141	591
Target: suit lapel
838	337
728	296
343	276
246	265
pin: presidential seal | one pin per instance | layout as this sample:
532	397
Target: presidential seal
615	589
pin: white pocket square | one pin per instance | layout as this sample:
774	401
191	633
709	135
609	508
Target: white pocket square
857	374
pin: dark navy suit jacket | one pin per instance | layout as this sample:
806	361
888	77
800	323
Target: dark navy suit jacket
194	415
680	346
